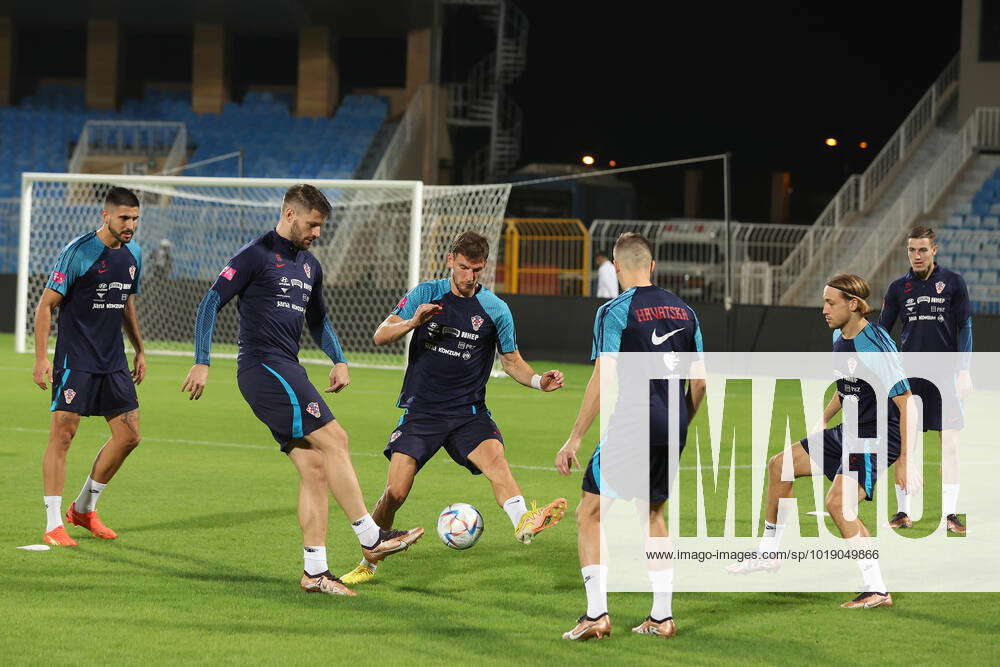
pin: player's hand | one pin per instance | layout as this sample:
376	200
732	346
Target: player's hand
339	378
566	457
964	384
139	367
195	381
551	380
425	312
41	372
908	477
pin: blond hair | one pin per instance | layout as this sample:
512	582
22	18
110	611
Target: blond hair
853	287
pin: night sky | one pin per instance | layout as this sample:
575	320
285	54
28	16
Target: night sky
645	82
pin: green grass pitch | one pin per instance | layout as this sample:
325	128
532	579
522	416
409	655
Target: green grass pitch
207	564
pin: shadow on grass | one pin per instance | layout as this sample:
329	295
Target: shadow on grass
214	521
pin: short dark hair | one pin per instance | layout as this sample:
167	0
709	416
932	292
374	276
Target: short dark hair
308	197
472	245
633	249
119	196
921	232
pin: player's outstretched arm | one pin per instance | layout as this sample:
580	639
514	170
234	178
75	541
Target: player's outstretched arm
47	305
130	323
395	327
589	407
515	366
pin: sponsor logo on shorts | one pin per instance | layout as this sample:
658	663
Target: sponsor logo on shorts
395	436
60	278
131	272
308	270
477	322
313	409
69	395
228	273
939	286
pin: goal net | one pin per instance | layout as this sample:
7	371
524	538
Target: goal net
383	237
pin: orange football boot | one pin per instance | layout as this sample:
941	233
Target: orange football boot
89	521
58	537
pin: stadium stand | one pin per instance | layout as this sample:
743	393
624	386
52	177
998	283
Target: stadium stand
38	135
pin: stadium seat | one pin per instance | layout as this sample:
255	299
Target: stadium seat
988	277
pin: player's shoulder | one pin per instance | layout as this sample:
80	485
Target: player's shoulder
253	249
134	248
81	241
492	303
874	338
431	290
618	306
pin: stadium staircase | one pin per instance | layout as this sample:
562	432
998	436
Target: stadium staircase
839	233
482	99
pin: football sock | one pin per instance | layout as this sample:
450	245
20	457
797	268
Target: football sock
53	512
949	499
315	560
515	509
367	531
370	566
89	494
872	574
902	500
663	591
597	592
772	537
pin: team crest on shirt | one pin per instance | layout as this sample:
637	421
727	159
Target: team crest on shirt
395	436
69	395
852	364
131	272
477	322
313	409
308	270
939	286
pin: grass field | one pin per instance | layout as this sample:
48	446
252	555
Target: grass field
207	564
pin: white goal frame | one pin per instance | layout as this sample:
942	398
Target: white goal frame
414	189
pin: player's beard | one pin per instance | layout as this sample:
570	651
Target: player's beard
120	236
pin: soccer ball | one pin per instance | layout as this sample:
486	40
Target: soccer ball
460	525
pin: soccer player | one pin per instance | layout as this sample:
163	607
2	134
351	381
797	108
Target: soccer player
457	325
93	284
280	285
933	303
866	346
643	318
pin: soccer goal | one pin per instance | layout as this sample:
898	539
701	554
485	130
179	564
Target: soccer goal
383	238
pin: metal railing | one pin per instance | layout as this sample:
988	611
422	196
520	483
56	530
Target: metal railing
131	138
866	251
408	132
691	259
860	192
544	256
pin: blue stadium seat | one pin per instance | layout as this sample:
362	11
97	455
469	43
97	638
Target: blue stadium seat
988	277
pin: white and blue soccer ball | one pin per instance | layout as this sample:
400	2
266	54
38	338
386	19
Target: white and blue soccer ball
460	525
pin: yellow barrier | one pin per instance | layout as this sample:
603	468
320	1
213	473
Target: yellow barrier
545	256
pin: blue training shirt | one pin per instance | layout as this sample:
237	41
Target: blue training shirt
874	349
649	319
280	287
936	313
450	356
95	282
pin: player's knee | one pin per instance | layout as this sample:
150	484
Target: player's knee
835	505
587	513
131	441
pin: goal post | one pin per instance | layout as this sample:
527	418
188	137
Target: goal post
382	238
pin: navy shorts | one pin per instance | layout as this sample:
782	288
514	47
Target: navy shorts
939	402
282	397
862	457
621	484
93	394
420	436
